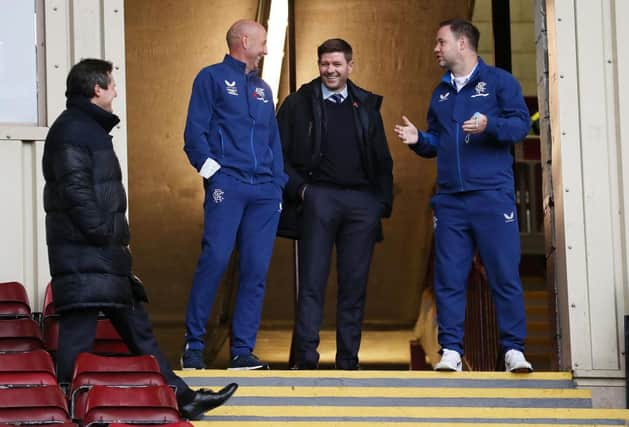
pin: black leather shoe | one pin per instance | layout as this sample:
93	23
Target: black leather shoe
347	365
305	366
205	400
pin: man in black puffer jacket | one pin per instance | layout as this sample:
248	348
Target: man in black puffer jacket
88	234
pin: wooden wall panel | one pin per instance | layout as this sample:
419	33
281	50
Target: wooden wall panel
392	43
12	193
168	42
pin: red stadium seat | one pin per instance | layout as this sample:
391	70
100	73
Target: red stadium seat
30	368
42	424
21	334
49	307
55	424
107	342
134	405
33	405
50	322
91	370
46	424
14	300
177	424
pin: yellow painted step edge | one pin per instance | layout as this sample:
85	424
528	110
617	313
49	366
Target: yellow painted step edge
367	424
413	392
420	412
223	373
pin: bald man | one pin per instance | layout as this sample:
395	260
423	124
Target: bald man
232	140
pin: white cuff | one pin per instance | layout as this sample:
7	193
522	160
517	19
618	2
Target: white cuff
209	168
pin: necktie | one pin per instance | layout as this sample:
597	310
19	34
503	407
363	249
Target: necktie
337	98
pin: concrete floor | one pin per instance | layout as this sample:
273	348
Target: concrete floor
383	349
379	349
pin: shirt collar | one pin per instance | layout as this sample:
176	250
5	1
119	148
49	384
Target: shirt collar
459	82
326	93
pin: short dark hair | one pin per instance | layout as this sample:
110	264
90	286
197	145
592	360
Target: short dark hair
335	45
461	27
85	75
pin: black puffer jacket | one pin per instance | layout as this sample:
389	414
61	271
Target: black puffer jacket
85	202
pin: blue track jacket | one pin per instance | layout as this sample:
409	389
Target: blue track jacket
231	119
482	161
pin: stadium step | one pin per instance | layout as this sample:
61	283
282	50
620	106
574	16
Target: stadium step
401	398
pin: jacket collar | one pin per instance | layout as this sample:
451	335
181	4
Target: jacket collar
362	96
480	69
237	65
104	118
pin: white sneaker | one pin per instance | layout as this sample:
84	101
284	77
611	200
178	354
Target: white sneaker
450	361
516	362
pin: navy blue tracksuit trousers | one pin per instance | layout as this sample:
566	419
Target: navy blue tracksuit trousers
246	214
486	220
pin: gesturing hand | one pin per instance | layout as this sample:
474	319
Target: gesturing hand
407	132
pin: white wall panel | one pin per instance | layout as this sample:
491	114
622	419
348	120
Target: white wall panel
23	255
86	29
41	270
114	50
600	184
29	238
12	212
58	57
621	70
586	123
566	168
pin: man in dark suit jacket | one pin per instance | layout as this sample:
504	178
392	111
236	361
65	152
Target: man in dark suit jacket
340	186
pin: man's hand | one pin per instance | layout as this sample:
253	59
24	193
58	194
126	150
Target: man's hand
477	124
407	132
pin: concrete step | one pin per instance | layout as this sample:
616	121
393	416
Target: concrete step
400	398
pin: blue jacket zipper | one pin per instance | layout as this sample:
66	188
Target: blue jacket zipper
253	151
458	157
253	126
220	135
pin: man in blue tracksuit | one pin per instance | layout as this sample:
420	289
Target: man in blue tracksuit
232	140
476	113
